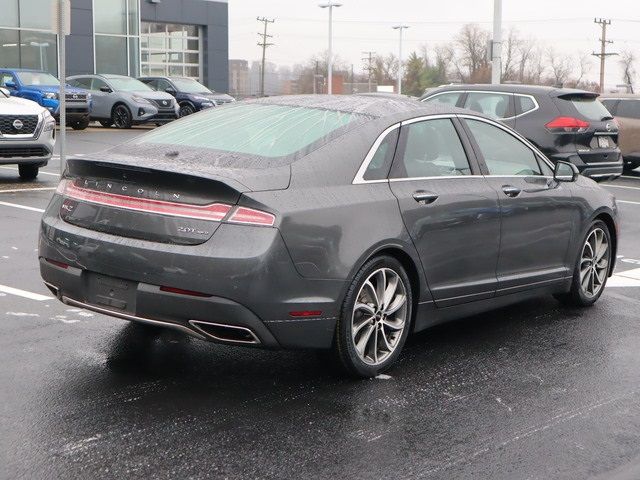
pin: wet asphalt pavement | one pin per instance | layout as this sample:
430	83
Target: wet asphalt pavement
534	391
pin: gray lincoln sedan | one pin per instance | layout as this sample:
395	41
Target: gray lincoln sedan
324	222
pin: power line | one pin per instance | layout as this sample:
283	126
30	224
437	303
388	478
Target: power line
603	48
264	44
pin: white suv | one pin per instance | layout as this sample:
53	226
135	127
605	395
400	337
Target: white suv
27	134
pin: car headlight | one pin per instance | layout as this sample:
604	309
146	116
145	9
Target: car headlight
138	99
51	95
202	99
88	96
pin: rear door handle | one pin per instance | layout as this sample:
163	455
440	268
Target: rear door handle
424	198
511	191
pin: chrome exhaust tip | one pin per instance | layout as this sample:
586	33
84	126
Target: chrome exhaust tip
226	333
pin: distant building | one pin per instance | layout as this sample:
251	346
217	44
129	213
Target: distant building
239	78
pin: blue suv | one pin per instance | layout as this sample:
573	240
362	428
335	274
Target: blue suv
43	88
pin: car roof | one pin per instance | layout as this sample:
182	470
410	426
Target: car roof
511	88
620	96
375	106
32	70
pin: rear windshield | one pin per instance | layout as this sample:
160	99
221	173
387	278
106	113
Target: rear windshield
590	108
255	129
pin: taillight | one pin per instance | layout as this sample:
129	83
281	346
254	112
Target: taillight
57	263
250	216
306	313
213	211
567	125
181	291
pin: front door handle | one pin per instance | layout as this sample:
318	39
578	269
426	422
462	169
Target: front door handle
424	198
511	191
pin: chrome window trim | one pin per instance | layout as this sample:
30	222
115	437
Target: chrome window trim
537	105
440	177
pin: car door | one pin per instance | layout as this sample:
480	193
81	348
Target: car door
496	105
102	101
538	213
448	208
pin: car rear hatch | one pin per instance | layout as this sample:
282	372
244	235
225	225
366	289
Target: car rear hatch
162	200
589	124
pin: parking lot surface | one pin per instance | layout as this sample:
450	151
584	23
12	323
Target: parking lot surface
533	391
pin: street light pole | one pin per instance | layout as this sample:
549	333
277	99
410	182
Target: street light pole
330	6
400	69
496	45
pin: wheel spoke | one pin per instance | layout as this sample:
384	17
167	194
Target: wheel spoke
375	346
397	303
386	342
394	325
372	292
381	282
361	345
390	291
365	308
361	325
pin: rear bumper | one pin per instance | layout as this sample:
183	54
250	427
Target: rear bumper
595	170
247	272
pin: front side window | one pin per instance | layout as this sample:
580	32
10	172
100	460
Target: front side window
37	78
6	78
629	108
445	98
430	148
97	84
126	84
81	83
495	105
262	130
503	153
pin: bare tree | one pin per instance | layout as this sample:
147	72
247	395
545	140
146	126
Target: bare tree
444	57
509	56
385	69
627	62
561	67
472	65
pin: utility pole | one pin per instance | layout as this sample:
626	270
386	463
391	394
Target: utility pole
400	28
61	20
496	44
352	78
603	48
369	66
330	6
264	44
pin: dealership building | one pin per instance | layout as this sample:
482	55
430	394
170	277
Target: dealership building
129	37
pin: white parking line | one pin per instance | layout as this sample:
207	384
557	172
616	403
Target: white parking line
633	178
41	171
627	201
621	186
24	207
629	278
24	293
18	190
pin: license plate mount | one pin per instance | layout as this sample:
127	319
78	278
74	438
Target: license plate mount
603	142
110	292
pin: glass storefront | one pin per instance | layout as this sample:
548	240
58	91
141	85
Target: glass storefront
116	36
26	39
170	50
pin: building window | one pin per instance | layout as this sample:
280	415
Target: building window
26	38
116	36
170	49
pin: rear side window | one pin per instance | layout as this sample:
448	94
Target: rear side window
379	165
525	104
503	153
588	107
430	148
256	129
494	105
629	108
450	98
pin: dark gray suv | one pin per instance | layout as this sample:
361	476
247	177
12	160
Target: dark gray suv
565	124
324	222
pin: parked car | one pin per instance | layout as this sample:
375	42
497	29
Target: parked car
124	101
190	94
27	134
626	110
565	124
44	89
324	222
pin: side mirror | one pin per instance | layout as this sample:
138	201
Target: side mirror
565	172
105	89
5	91
10	85
170	90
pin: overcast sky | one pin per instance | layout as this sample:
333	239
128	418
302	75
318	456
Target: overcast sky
361	25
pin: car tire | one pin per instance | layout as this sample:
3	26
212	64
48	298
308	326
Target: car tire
28	172
121	116
186	109
80	124
630	166
106	123
370	333
591	269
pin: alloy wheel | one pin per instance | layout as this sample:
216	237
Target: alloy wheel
594	263
121	117
186	110
379	316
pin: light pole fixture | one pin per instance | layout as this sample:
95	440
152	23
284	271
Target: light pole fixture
330	6
400	69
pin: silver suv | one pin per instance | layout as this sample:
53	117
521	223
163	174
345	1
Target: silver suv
124	101
27	134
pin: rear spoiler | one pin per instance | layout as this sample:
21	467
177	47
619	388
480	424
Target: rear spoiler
568	95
